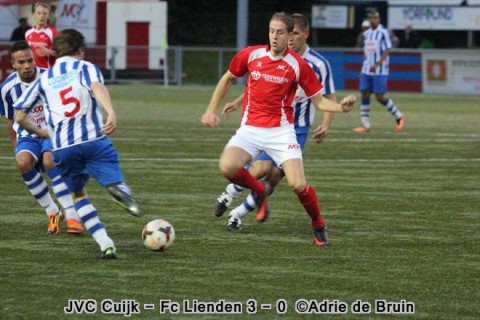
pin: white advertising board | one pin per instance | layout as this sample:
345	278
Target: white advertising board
434	17
80	15
330	17
451	72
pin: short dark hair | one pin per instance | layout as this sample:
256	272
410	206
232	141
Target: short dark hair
41	4
300	20
68	42
19	46
285	18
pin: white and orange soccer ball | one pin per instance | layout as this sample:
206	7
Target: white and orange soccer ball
158	235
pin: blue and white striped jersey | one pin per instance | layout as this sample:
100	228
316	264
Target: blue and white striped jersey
11	89
304	110
376	41
73	114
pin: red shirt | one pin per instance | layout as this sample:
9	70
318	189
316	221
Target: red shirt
271	84
38	38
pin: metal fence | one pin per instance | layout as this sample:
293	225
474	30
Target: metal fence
175	65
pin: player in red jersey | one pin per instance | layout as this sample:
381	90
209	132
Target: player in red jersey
40	36
274	73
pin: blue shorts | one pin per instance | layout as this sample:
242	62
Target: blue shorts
373	83
97	158
301	139
35	146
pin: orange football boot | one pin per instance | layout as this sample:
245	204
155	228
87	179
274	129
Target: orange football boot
74	226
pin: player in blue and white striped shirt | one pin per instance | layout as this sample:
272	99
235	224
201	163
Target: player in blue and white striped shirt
304	117
32	152
72	92
374	74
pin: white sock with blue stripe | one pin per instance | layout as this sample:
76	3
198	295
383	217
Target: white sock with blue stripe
63	195
234	190
365	113
39	189
89	216
247	206
392	108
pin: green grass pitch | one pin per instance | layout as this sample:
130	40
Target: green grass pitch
403	211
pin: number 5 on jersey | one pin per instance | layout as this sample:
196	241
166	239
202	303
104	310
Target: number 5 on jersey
68	100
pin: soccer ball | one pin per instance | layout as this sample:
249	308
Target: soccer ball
158	235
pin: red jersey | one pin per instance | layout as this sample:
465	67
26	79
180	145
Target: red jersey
271	84
38	38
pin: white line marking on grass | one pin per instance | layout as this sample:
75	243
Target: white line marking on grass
356	140
306	160
364	140
315	160
449	137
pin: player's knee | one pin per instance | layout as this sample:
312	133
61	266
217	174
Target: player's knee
380	98
48	163
25	165
228	168
298	185
79	195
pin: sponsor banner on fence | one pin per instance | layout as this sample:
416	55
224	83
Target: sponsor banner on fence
434	17
333	17
451	72
80	15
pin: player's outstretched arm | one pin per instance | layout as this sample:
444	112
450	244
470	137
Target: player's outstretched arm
320	132
103	97
21	119
232	106
210	117
346	104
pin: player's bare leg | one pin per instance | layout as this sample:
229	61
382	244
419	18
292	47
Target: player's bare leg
392	108
295	175
39	189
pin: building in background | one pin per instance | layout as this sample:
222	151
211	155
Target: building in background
137	29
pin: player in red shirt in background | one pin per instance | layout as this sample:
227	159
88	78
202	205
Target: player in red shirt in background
40	36
273	74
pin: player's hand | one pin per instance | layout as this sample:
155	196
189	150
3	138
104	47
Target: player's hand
229	107
42	51
373	68
320	134
110	125
210	119
348	102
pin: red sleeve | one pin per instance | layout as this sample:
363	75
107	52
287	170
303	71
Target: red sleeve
54	31
308	80
239	64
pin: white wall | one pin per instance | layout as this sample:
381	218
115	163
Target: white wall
152	11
